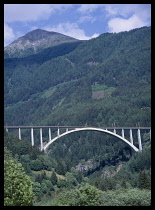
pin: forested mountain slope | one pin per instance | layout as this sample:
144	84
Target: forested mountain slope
99	82
126	184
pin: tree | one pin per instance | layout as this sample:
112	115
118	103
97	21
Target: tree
36	165
38	178
65	198
71	179
46	186
43	175
89	196
61	167
86	195
144	181
53	178
37	189
17	185
126	197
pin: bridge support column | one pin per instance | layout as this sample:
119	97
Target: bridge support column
49	134
122	132
114	130
19	133
139	140
66	129
41	139
58	132
131	137
32	137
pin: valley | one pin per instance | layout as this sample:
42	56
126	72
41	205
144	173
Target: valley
101	82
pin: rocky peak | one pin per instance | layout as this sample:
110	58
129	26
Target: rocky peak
34	41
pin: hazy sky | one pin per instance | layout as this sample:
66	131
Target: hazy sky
81	21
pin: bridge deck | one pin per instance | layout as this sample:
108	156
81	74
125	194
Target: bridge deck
73	127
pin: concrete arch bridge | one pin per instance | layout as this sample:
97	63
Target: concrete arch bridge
71	129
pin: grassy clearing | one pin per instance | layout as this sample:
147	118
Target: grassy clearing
48	92
98	87
48	174
100	91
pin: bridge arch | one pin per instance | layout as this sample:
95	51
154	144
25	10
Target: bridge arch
90	129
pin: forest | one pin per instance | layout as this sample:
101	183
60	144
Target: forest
50	181
38	93
105	81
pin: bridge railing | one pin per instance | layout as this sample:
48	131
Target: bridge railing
71	127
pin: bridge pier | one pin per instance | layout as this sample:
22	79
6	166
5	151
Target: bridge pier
19	132
58	132
139	140
32	137
41	139
122	132
131	137
49	131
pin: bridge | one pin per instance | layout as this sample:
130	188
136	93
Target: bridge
71	129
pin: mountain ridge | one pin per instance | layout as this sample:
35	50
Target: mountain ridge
34	41
118	63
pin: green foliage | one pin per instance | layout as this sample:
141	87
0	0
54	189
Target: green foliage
65	198
125	179
106	184
58	89
144	181
86	195
141	161
71	179
53	178
7	154
89	196
37	189
62	183
131	197
20	147
46	186
98	87
36	165
17	185
61	167
54	87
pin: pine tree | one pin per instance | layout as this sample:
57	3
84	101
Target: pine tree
61	167
53	178
43	175
38	178
143	180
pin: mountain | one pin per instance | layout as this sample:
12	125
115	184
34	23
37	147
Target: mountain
105	81
130	178
100	82
116	64
35	41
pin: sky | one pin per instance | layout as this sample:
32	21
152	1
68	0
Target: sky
80	21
